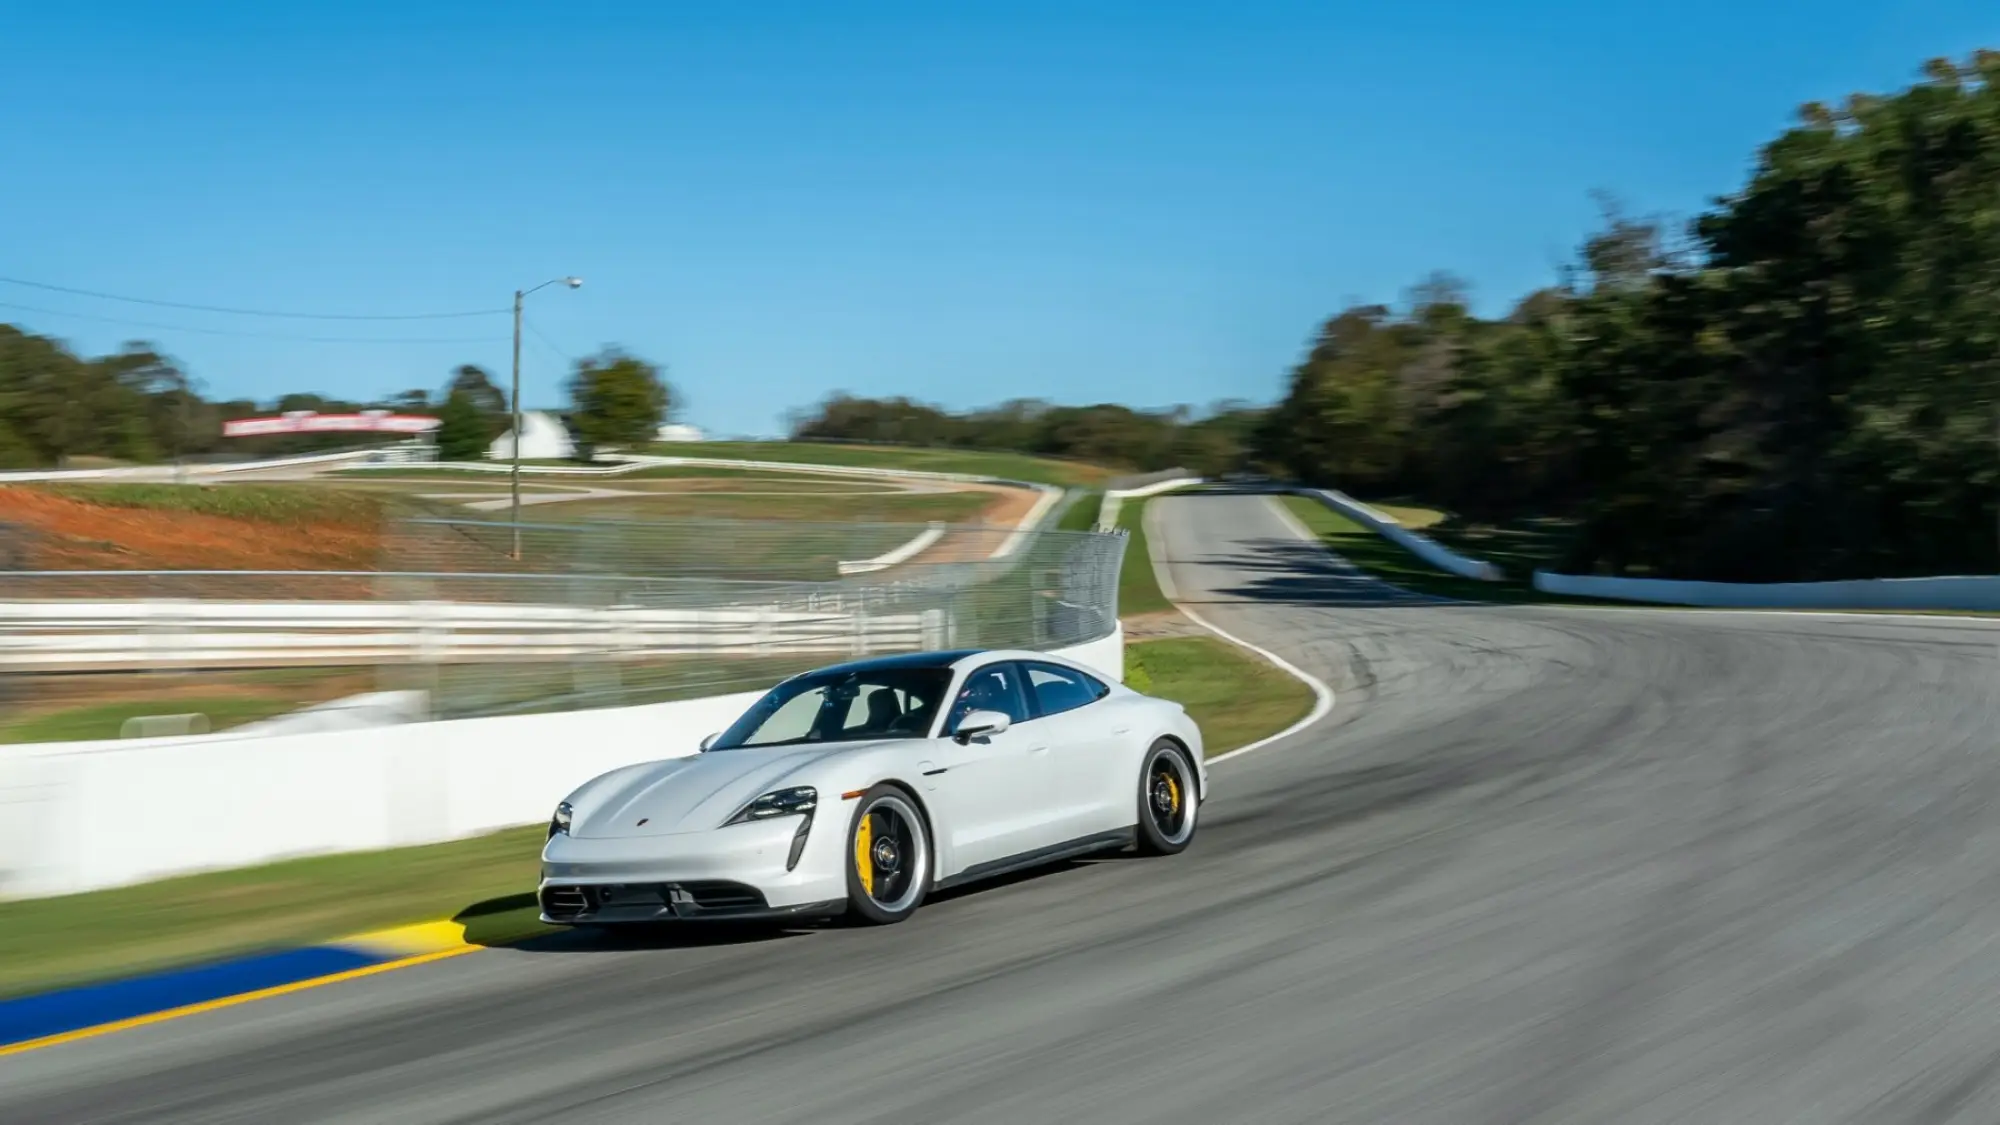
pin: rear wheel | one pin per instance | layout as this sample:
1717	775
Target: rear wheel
1168	800
888	857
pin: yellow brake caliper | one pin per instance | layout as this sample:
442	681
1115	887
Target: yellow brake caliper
1173	793
864	859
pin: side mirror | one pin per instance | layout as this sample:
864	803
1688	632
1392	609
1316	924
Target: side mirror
981	723
709	740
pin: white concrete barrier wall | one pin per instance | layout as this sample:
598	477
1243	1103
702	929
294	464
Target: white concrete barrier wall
1114	499
62	635
89	815
917	545
1971	592
1422	546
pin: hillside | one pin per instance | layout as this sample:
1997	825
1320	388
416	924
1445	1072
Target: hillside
189	527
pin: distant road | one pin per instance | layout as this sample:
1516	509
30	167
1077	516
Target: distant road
1549	865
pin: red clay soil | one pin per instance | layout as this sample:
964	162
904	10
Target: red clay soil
64	533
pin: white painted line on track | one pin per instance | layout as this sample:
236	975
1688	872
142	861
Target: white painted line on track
1299	529
1323	697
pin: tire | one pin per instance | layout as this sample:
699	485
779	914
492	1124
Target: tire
1168	800
888	857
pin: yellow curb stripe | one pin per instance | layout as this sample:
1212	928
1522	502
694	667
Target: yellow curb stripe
424	937
231	1001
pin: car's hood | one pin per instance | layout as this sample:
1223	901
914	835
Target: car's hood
697	793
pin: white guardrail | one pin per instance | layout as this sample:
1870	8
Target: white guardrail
1965	592
1392	529
47	636
1114	499
916	546
83	816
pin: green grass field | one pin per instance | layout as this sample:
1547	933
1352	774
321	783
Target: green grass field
1081	514
81	724
586	474
1236	697
265	503
890	507
1013	466
1138	586
77	708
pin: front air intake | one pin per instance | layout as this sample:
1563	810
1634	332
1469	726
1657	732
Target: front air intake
564	903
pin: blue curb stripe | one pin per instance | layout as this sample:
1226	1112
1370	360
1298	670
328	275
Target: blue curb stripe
73	1009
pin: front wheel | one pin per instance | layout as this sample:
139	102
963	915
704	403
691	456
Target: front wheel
1168	800
888	857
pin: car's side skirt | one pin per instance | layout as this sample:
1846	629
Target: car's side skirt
1068	849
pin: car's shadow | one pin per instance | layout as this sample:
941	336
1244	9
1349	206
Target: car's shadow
511	921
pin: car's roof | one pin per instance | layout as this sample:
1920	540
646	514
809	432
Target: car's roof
947	658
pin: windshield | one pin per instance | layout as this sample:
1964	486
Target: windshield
838	706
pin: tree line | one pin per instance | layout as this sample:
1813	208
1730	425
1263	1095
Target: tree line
139	405
1211	441
1801	384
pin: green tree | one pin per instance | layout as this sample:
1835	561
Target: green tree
617	399
486	398
461	432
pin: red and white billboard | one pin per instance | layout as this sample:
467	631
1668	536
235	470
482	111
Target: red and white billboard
310	422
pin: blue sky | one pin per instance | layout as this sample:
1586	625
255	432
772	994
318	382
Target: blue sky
1147	203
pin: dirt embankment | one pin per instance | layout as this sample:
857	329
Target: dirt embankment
54	531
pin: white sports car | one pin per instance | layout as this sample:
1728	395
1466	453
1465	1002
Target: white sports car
862	787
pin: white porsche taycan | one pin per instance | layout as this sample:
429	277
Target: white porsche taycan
862	787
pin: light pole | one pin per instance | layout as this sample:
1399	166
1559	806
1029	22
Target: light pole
514	476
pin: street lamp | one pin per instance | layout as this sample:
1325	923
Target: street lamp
514	476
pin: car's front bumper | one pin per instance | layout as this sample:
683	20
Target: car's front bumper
736	872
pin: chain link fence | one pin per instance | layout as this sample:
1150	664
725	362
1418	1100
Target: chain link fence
601	613
764	600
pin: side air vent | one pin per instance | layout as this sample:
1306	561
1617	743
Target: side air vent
564	902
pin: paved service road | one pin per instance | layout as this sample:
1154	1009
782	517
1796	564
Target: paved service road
1540	865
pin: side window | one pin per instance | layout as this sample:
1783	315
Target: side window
994	688
885	711
1060	689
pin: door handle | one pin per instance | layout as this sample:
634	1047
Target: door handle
1121	730
1038	749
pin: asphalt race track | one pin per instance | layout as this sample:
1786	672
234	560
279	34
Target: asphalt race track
1541	864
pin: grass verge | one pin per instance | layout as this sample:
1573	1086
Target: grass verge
1012	466
54	942
105	720
1138	587
1081	512
66	707
887	507
1236	697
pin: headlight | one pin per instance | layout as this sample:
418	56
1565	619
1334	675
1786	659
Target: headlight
781	802
559	824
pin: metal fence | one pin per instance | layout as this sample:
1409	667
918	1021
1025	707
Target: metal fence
973	586
592	614
764	550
